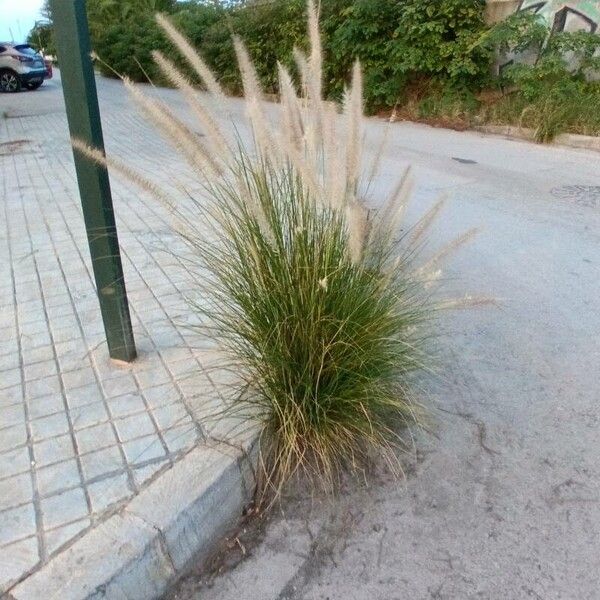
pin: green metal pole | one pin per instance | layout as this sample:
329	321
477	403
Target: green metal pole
83	114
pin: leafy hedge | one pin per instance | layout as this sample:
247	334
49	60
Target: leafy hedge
432	57
397	40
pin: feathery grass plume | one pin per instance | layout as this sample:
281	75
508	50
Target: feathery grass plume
290	108
303	69
187	142
334	170
353	109
122	169
357	230
296	286
425	222
316	52
179	221
466	301
192	56
252	89
445	251
201	112
390	215
263	136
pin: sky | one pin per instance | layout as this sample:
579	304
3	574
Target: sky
19	16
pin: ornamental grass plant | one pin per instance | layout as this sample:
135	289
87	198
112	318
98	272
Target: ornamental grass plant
317	299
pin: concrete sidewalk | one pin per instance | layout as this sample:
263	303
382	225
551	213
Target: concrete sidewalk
80	437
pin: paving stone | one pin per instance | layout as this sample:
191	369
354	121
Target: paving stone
87	394
78	378
176	354
195	386
66	321
118	386
143	449
12	437
153	377
38	340
45	405
108	491
40	370
60	299
57	477
56	538
33	327
162	395
134	426
31	310
50	426
53	450
171	415
122	406
42	387
95	438
39	354
180	438
11	395
71	355
88	415
101	462
11	415
184	368
9	378
17	523
143	475
9	360
14	462
15	490
17	558
63	508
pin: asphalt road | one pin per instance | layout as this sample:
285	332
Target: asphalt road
502	500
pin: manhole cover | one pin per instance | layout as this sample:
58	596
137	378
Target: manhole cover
583	195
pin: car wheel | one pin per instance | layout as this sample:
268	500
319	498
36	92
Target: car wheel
9	82
33	86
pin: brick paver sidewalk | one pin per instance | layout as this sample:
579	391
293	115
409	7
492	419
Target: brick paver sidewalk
79	435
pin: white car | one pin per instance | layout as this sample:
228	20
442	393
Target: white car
20	67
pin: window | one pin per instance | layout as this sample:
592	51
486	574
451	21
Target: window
26	49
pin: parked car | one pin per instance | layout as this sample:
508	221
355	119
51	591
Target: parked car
21	66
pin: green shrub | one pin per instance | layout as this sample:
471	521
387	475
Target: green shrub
315	299
125	48
400	41
438	39
396	40
365	30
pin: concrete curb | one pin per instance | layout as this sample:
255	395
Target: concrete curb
586	142
174	523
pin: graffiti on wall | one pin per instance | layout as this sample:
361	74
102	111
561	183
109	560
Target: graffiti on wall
581	15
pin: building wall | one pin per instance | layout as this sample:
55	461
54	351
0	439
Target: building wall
575	15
